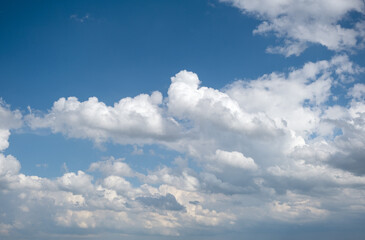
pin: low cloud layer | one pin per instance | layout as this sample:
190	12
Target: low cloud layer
277	149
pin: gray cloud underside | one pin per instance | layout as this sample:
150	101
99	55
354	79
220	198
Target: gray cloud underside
167	202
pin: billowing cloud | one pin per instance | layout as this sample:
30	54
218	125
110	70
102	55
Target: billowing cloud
234	159
294	100
111	166
284	150
350	143
131	120
188	101
301	23
262	151
9	166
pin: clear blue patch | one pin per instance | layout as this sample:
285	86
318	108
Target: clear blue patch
337	132
45	155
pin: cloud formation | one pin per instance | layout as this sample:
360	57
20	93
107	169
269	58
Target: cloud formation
301	23
8	120
268	150
167	202
131	120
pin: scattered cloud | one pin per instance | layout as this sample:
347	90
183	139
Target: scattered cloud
112	166
267	150
137	150
284	149
300	24
41	165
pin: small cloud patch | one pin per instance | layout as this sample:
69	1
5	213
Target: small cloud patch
80	19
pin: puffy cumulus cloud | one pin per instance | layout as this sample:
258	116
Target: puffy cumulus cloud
309	179
4	136
213	120
9	168
8	120
295	100
350	140
262	151
340	140
9	165
276	112
118	184
75	202
301	23
358	91
131	120
112	166
76	182
188	101
234	159
182	178
266	119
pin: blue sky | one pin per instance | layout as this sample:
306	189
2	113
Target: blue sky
182	119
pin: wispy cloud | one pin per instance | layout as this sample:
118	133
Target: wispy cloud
80	19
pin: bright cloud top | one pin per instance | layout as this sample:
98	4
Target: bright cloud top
265	149
135	120
301	23
9	120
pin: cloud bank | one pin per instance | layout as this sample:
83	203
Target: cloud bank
276	149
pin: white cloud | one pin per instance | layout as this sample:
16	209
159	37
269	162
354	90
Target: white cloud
276	112
298	208
358	91
295	100
80	182
234	159
182	178
301	23
211	115
117	183
9	166
112	166
4	136
8	120
186	100
131	120
268	150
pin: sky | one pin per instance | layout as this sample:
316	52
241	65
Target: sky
182	119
